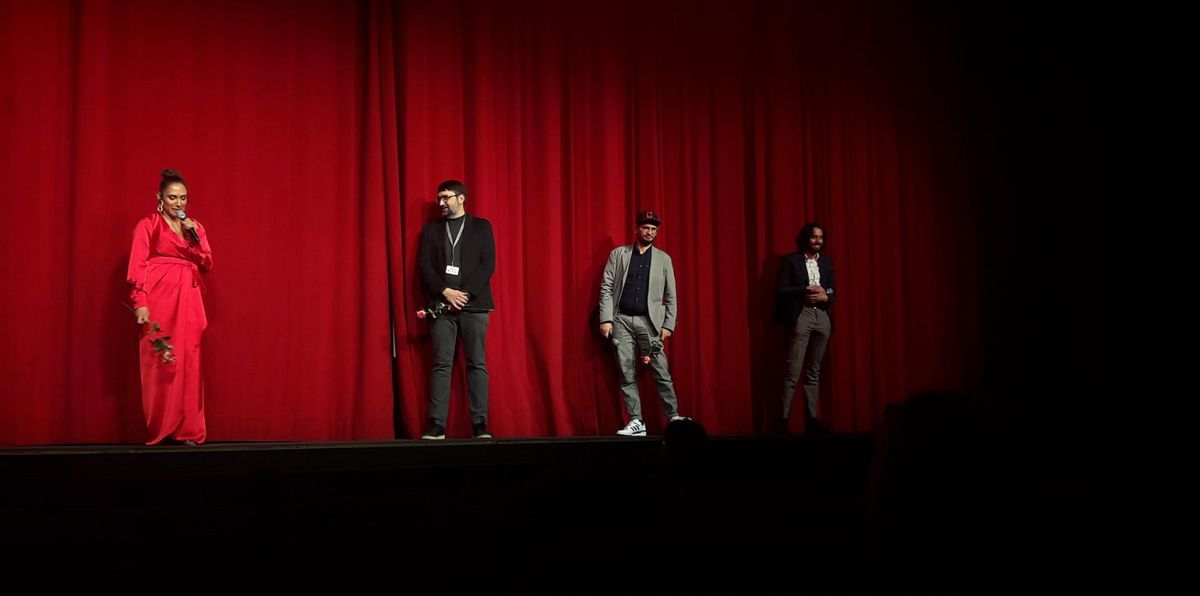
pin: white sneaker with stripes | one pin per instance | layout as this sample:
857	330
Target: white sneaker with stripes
635	428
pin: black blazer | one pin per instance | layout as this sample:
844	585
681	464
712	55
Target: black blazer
478	261
790	291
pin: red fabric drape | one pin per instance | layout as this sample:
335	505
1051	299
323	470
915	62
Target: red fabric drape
314	134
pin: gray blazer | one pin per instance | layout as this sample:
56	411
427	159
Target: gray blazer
660	303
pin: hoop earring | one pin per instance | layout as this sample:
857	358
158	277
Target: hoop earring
160	209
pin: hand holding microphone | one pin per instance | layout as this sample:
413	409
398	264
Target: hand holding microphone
189	225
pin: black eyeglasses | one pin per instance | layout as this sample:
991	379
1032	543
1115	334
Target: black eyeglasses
441	198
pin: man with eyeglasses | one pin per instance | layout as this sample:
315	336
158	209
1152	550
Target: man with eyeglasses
457	257
637	313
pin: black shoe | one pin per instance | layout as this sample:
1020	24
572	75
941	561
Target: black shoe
813	426
783	429
436	432
481	431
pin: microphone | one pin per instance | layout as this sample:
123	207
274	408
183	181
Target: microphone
179	213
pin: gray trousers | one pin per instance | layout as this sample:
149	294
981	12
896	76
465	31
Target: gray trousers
626	331
808	346
445	331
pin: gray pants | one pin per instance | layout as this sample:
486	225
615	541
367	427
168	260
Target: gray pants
445	330
627	330
808	346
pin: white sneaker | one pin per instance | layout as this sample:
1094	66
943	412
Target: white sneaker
635	428
678	417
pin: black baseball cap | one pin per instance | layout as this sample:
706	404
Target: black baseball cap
648	217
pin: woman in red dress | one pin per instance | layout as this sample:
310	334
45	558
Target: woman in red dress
169	252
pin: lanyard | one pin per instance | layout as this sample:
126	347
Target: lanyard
454	239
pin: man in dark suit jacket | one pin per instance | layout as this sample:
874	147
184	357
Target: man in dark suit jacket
457	258
804	296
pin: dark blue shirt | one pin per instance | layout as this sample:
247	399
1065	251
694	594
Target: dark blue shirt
453	251
637	285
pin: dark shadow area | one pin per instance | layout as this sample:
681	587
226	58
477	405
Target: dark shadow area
683	495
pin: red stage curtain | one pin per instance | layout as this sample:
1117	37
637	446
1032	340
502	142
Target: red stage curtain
313	135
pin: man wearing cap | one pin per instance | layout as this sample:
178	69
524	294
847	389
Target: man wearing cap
637	308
